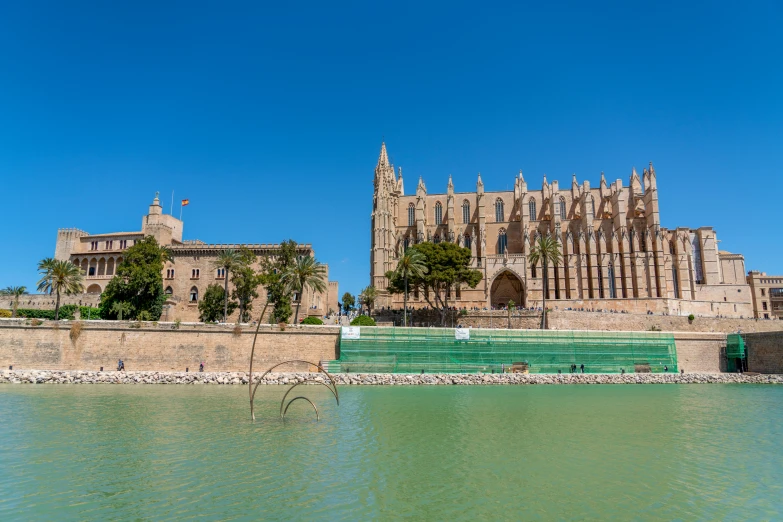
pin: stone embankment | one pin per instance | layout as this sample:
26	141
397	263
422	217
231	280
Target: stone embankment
84	377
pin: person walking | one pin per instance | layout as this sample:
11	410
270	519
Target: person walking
582	367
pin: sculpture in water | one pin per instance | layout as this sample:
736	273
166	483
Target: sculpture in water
332	386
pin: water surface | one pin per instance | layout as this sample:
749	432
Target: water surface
644	452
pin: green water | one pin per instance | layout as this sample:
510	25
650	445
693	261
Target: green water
657	452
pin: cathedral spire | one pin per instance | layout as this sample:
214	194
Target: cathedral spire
383	158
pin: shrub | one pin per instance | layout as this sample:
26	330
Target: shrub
363	320
89	312
312	320
36	322
66	312
691	317
237	331
5	313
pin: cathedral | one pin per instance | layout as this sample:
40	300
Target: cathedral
616	256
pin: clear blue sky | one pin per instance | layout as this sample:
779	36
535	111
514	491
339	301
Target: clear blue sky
269	118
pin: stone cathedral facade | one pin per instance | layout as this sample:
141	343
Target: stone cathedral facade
616	254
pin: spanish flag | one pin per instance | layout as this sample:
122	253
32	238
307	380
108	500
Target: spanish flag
185	202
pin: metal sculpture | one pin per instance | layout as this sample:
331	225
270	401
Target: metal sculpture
332	386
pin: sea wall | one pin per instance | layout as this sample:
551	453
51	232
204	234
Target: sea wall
375	379
90	345
158	346
765	352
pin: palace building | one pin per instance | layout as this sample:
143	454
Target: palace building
616	254
185	279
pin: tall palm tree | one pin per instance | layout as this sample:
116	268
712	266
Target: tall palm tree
545	251
411	264
305	273
15	292
368	297
227	260
60	276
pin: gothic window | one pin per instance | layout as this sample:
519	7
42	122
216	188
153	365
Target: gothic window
467	241
499	210
194	274
533	271
591	208
436	238
193	294
109	245
406	244
411	215
465	212
502	241
532	206
169	290
600	282
562	208
671	247
438	213
676	282
221	272
612	289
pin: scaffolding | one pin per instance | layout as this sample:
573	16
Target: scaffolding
736	353
437	350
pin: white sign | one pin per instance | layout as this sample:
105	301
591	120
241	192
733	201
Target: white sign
462	334
350	332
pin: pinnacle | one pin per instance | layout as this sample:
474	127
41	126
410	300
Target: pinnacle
383	159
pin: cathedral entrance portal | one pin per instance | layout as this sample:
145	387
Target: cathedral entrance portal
506	287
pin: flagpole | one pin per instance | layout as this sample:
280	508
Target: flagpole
180	212
171	211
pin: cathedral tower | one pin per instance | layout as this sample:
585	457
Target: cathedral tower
387	189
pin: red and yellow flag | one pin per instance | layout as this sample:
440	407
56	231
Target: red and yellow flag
185	202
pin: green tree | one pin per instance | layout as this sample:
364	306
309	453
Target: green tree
448	266
121	308
138	281
246	282
411	265
15	292
58	276
276	291
305	273
349	301
214	305
226	260
545	250
367	297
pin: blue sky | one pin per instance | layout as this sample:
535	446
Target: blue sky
269	118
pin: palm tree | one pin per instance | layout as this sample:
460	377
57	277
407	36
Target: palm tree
15	292
368	297
60	276
411	264
546	251
305	273
227	260
119	308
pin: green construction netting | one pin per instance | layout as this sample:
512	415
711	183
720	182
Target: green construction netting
436	350
735	346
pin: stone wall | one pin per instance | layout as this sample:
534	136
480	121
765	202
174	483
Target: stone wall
47	302
765	352
574	320
160	347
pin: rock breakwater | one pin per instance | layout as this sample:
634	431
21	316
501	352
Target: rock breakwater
375	379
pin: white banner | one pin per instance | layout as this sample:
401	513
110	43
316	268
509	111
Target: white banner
350	332
462	334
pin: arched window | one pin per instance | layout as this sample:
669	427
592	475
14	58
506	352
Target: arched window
532	206
676	282
499	210
466	211
502	241
406	243
193	294
169	290
436	238
438	213
411	215
467	241
562	208
591	208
